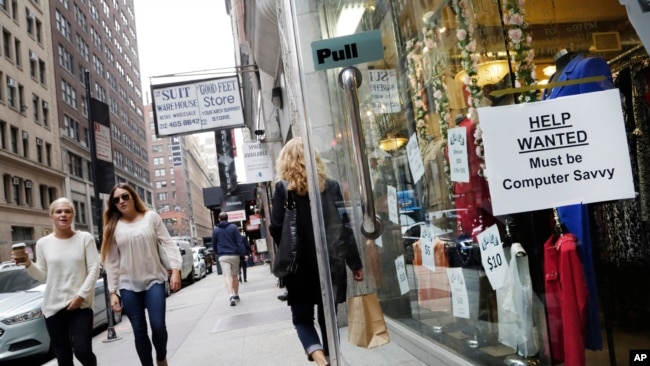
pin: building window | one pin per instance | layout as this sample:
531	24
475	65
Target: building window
159	172
13	135
29	193
161	184
39	151
72	129
6	44
80	210
63	25
48	154
36	107
41	72
69	94
15	190
162	196
159	161
25	137
65	59
75	165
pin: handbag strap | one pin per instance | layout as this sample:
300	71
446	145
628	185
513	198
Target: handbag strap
290	202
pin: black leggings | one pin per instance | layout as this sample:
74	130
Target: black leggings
70	330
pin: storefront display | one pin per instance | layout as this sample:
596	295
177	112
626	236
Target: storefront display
523	251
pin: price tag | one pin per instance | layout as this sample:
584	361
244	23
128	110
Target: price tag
392	204
459	299
400	266
426	244
492	256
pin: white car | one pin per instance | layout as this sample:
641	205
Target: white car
22	325
199	266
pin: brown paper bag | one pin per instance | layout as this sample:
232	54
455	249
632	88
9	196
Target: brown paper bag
366	325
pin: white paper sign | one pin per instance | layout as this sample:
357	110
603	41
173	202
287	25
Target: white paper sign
415	158
459	299
400	267
392	204
492	256
197	106
103	145
426	243
383	90
458	158
547	154
257	162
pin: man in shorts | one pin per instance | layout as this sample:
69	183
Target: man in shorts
226	243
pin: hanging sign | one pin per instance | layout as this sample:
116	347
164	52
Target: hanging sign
392	204
458	161
459	298
402	279
197	106
415	158
257	162
492	256
557	152
383	91
426	245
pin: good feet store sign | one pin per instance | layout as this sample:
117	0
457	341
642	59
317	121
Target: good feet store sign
558	152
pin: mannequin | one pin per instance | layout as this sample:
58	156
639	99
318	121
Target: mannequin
573	66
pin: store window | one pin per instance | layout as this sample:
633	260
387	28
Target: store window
444	60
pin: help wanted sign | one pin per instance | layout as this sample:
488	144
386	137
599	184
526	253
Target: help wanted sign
557	152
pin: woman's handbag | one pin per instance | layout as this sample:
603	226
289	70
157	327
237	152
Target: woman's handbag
366	325
286	256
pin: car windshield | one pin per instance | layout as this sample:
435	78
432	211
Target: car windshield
16	280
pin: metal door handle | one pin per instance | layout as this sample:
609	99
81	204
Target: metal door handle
349	81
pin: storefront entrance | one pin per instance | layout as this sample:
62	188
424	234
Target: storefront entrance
401	132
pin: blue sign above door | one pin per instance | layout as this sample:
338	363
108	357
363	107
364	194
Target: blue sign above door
347	50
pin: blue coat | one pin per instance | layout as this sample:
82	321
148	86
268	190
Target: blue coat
226	239
576	217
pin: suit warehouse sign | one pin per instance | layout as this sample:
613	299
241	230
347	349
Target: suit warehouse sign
558	152
198	106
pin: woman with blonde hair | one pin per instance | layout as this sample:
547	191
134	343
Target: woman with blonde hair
68	264
131	255
303	286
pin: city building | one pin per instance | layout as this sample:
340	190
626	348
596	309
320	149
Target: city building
48	48
30	155
179	176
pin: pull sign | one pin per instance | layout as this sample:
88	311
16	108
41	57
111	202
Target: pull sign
347	50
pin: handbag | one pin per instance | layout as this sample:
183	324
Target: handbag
286	257
366	325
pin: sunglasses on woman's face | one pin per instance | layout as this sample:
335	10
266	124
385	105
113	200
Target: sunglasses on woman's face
124	196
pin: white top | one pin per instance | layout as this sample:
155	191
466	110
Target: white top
133	262
515	304
70	267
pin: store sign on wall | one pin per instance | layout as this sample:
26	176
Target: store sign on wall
347	50
557	152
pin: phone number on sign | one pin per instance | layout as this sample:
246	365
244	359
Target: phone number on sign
185	122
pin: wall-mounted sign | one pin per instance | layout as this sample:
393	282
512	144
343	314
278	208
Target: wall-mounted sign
257	162
197	106
557	152
347	50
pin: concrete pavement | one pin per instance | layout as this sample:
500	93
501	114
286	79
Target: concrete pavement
205	330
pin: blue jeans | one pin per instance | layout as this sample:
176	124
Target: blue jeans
302	316
70	330
134	304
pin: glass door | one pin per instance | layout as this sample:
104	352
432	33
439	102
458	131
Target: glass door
401	133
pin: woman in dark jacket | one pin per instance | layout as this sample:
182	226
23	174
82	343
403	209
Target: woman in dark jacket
303	287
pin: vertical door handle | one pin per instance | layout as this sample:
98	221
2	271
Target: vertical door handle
349	81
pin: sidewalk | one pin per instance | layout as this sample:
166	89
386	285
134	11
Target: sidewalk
205	330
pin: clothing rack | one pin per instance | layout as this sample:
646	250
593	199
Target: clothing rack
623	55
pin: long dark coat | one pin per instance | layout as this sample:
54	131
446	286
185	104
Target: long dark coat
303	287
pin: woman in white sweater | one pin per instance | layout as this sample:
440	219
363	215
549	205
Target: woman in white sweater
67	261
134	237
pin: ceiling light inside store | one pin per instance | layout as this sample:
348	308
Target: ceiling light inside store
549	70
349	19
490	72
392	142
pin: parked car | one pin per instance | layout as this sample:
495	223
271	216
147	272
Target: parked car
208	257
199	266
22	325
187	266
